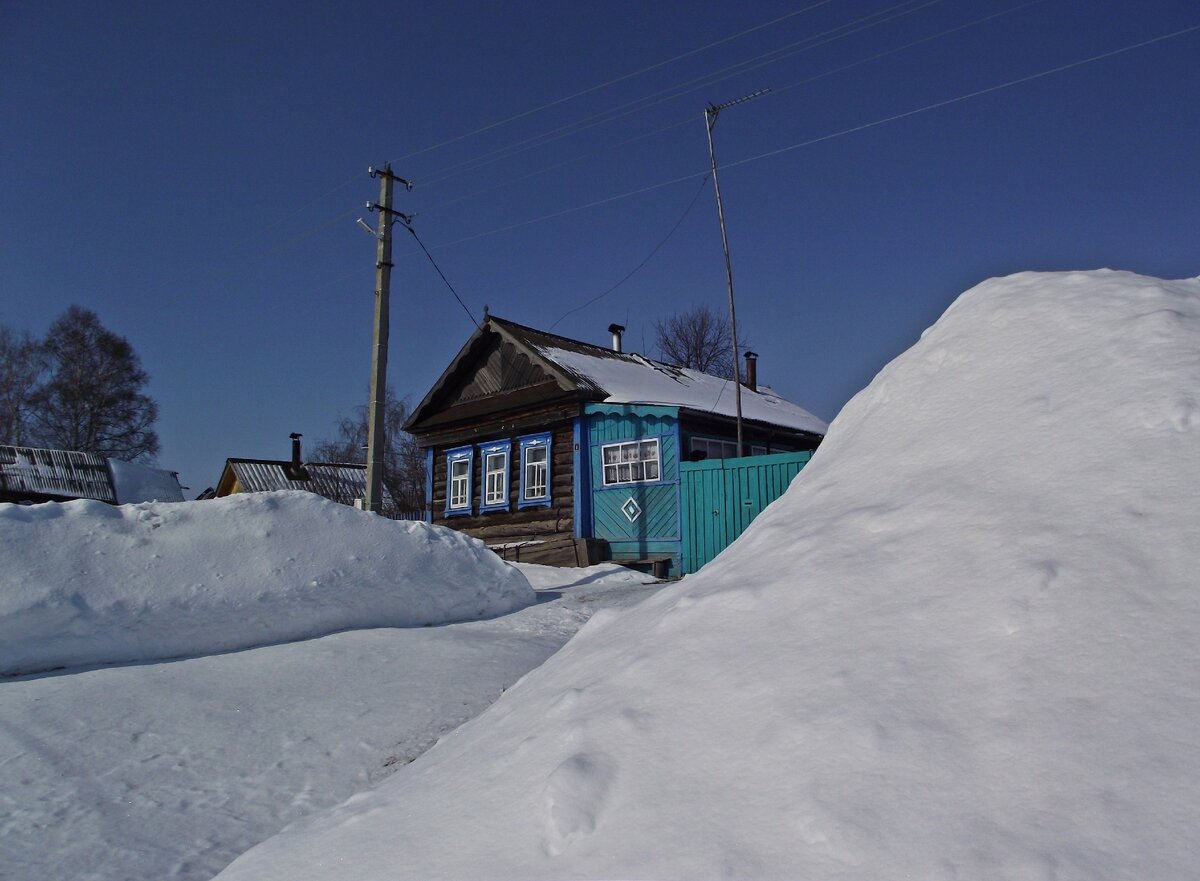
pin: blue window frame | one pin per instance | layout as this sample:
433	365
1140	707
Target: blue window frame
460	462
536	452
495	459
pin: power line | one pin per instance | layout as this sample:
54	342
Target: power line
869	125
547	168
417	238
635	269
678	90
566	211
879	55
614	81
775	89
977	93
300	210
709	79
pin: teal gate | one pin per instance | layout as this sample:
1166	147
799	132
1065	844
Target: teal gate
720	497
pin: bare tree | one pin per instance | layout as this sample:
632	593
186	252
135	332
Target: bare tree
22	365
698	339
92	399
403	460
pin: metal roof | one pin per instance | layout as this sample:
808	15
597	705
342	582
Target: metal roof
342	483
599	374
61	473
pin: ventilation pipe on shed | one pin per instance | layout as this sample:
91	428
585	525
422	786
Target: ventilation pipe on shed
295	470
752	371
296	449
616	330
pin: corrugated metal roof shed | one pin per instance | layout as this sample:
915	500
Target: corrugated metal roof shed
342	483
64	474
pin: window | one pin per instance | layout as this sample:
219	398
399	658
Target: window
757	450
714	449
535	470
458	480
633	462
495	475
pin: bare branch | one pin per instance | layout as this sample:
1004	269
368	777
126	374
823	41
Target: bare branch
698	339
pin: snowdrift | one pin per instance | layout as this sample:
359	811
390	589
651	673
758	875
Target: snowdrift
965	644
85	583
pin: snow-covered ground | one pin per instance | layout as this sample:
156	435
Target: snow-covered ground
86	583
964	645
170	769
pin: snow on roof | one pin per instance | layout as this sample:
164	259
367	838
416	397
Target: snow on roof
338	482
135	483
635	379
64	473
70	474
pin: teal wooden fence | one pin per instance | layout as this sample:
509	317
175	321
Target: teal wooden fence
720	498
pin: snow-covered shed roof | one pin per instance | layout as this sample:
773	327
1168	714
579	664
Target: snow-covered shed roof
598	374
65	474
69	474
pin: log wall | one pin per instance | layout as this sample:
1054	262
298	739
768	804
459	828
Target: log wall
539	534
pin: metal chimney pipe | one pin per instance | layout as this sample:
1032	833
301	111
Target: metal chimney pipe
752	371
295	450
616	330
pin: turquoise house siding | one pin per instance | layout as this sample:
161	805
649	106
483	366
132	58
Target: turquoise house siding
655	531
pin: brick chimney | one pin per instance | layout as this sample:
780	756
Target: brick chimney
751	371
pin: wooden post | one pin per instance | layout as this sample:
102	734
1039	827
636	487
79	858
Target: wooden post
379	352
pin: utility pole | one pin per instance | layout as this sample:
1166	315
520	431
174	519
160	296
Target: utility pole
710	120
379	351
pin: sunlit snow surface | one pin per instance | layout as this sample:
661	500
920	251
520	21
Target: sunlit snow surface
170	769
84	582
964	645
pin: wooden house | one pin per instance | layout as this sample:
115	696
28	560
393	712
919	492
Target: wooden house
557	451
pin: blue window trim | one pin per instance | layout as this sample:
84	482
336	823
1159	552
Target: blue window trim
532	441
582	473
502	446
429	485
452	456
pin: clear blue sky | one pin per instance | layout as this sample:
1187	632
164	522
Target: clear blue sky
192	172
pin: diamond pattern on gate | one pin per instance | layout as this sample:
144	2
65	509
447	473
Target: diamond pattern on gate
631	509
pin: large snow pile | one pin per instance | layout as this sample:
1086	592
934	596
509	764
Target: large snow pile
965	644
84	582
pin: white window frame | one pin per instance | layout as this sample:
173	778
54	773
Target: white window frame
726	448
493	498
460	456
630	461
530	444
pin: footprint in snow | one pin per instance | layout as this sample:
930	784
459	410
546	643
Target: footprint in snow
574	798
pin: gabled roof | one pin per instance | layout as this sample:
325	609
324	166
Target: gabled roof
598	374
337	481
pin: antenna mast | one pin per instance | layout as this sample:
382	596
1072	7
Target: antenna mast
710	120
